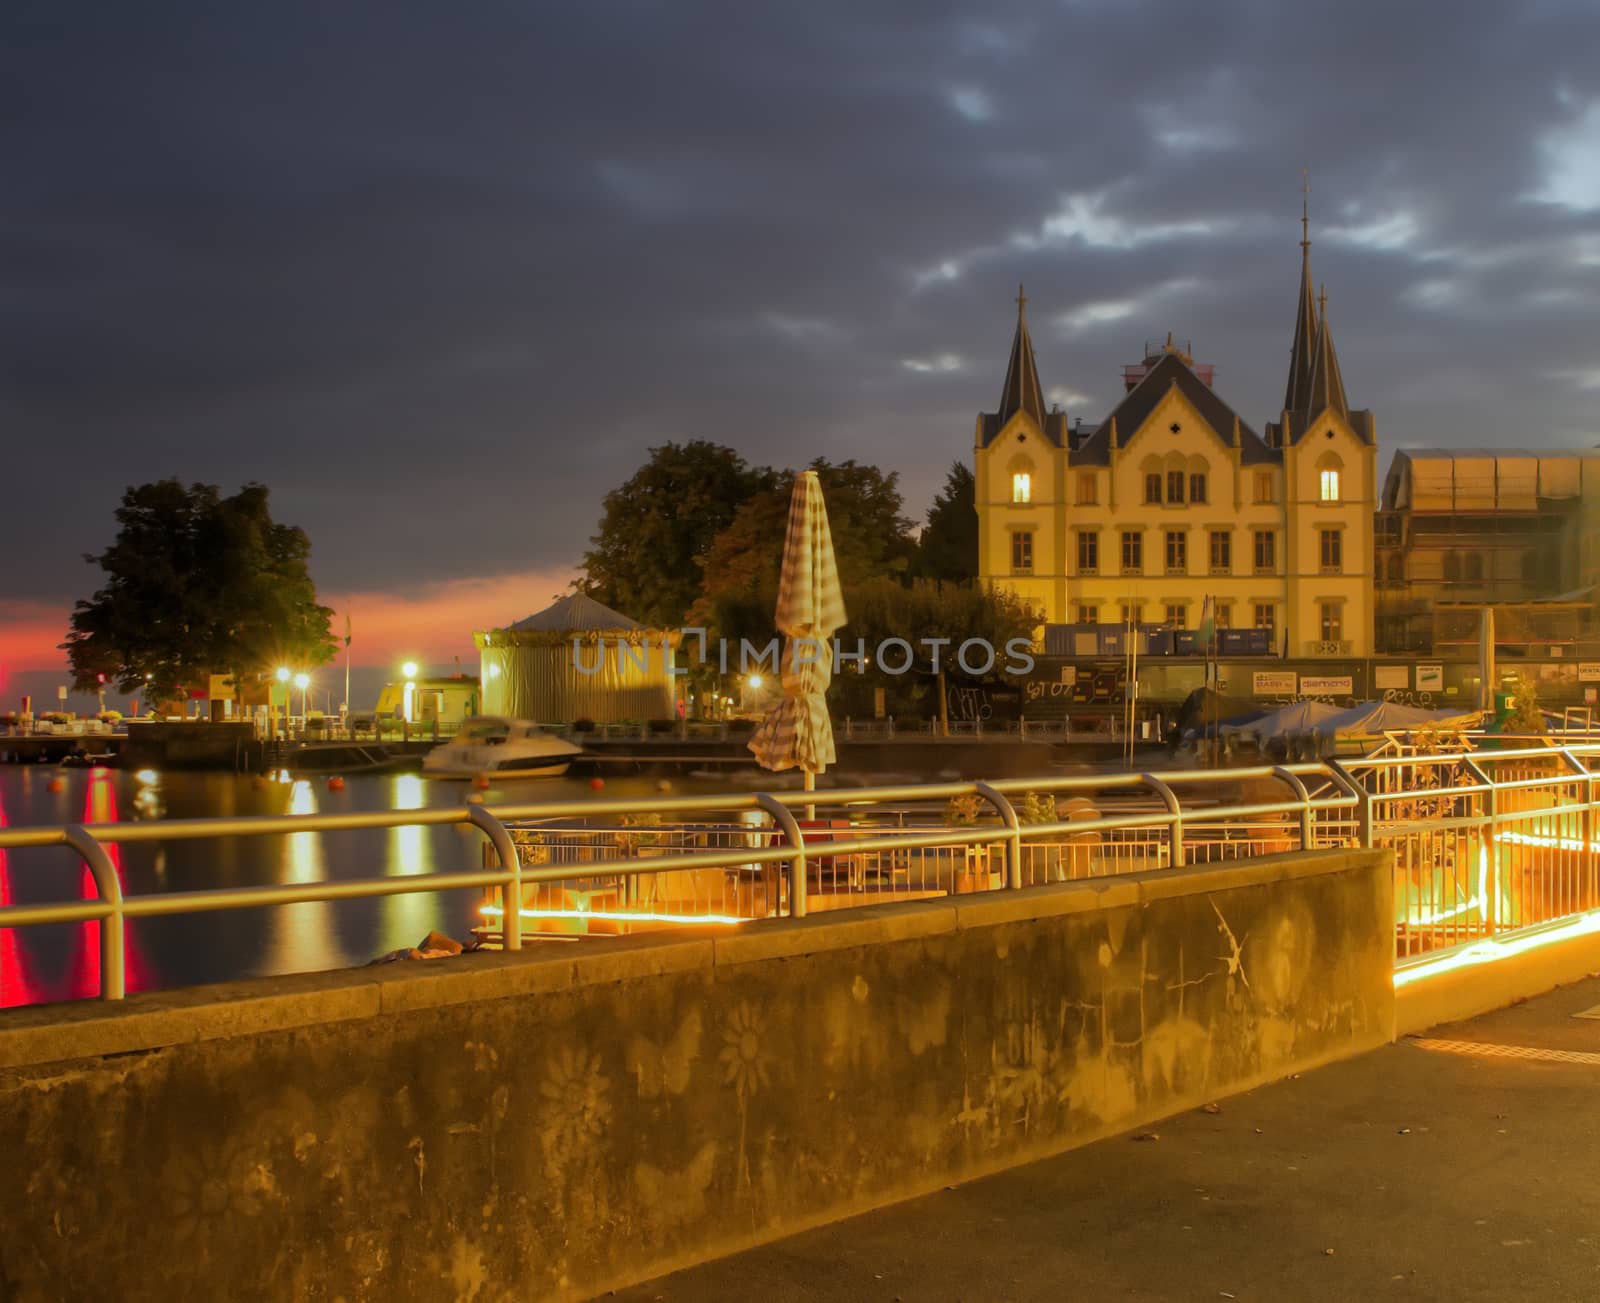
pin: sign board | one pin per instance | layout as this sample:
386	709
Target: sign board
1324	685
1390	676
1430	678
1588	672
1271	683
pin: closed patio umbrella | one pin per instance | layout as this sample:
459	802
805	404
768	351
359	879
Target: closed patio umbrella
797	732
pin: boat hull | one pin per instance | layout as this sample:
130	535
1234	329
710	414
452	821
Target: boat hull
533	767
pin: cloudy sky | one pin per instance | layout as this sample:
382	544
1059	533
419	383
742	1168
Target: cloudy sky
439	274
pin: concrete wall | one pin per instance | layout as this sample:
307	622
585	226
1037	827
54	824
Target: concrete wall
548	1125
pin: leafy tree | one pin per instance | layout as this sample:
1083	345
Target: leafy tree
871	539
197	584
658	527
948	548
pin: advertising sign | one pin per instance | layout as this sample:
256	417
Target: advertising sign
1385	677
1430	678
1588	672
1326	685
1273	683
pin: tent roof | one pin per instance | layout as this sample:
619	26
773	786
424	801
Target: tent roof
576	611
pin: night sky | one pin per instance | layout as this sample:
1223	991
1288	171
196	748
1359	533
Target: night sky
440	273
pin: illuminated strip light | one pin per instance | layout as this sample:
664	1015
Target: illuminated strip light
1489	952
1539	839
617	916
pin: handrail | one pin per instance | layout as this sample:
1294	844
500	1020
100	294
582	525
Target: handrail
1338	783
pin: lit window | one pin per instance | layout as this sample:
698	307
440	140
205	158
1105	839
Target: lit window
1022	552
1022	487
1330	486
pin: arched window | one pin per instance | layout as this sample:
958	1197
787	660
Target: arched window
1330	475
1021	486
1452	568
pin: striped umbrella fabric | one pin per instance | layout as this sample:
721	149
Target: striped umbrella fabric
797	732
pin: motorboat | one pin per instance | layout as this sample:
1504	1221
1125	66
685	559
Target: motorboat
495	747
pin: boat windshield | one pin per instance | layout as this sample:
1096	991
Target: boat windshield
485	730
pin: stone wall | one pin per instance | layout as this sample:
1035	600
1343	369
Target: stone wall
552	1124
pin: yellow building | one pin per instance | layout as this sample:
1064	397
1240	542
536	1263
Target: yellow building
1173	498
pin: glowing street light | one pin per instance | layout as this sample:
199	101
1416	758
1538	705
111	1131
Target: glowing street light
303	681
409	669
755	682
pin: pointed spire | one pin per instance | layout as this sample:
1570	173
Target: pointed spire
1022	391
1303	346
1327	385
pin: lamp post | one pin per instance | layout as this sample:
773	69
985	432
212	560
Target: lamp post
303	682
283	678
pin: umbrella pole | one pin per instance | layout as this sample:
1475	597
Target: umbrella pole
810	786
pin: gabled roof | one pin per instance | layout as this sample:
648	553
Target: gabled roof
576	612
1134	410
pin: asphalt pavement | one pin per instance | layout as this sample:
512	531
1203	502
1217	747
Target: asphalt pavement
1460	1165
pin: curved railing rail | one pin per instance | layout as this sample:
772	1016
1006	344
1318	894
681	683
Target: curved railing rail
1502	795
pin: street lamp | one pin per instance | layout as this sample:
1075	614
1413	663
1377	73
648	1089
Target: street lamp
283	678
303	681
409	670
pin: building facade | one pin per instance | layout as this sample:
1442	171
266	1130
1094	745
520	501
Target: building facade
1173	498
1458	530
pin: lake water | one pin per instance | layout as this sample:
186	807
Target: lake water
39	964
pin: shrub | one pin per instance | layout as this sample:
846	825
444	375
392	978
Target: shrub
110	717
962	811
1036	808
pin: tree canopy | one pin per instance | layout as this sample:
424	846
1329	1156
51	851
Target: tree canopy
948	548
197	584
658	527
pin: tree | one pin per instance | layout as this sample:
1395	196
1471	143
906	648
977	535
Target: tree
197	584
948	548
658	527
871	540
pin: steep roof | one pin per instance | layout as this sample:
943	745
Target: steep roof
576	612
1327	385
1022	392
1303	344
1171	372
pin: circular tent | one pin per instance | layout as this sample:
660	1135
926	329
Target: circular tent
577	659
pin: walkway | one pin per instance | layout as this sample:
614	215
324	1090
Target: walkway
1461	1166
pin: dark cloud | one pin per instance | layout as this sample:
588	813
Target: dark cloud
440	274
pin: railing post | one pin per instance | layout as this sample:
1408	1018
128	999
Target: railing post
1363	803
113	974
1008	816
1175	856
1299	789
511	862
783	818
1490	848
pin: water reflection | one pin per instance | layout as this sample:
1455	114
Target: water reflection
405	920
14	986
302	937
83	979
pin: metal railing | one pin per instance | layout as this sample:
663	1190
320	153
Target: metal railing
1486	843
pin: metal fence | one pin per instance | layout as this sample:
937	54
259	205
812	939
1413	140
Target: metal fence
1486	843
